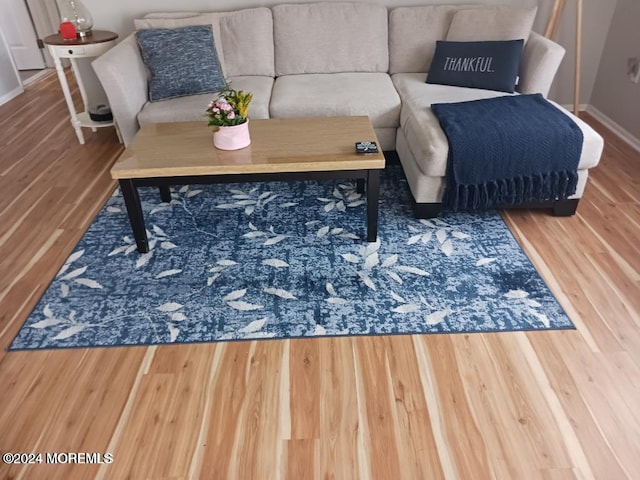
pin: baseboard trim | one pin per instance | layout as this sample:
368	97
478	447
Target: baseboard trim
614	127
41	74
581	107
12	94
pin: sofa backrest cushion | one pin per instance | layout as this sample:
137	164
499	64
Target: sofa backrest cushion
247	41
491	23
331	37
413	32
243	39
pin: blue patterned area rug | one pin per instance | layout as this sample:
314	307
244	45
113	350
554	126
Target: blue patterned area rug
285	260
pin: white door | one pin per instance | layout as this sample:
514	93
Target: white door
10	85
19	33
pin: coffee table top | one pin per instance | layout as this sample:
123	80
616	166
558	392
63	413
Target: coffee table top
278	145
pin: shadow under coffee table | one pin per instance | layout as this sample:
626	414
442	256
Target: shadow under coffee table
166	154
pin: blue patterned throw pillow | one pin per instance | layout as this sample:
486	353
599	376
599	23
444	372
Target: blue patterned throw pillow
181	61
491	65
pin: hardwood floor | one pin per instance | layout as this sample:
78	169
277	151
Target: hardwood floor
538	405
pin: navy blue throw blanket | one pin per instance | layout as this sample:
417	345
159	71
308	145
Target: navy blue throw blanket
508	151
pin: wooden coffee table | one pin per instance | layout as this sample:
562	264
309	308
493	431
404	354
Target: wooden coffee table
166	154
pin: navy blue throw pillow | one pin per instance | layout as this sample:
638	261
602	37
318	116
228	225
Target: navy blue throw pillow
489	65
181	61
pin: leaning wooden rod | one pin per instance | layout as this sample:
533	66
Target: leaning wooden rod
554	19
576	83
551	31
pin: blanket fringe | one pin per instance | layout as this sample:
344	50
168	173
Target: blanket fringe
513	191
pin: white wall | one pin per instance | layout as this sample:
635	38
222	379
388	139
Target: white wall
10	84
614	94
117	15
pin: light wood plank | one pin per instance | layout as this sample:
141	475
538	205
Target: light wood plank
376	393
339	423
417	448
453	411
561	379
303	459
304	374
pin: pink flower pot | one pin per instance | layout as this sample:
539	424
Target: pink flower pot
234	137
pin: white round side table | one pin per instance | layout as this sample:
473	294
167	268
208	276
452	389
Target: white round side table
93	45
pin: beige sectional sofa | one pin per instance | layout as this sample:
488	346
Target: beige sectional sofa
339	58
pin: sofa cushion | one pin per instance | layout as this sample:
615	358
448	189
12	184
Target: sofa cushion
413	90
490	65
491	23
185	19
413	32
247	40
421	128
322	95
192	108
330	37
181	61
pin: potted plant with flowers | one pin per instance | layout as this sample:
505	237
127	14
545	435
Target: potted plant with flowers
228	112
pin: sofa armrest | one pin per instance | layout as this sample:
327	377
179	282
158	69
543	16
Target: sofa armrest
540	61
123	76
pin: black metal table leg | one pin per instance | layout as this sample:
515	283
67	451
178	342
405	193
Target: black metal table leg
165	193
360	185
134	209
373	190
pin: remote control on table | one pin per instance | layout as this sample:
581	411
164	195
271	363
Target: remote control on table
366	147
